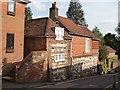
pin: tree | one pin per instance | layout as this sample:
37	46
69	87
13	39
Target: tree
111	40
28	13
118	30
76	13
118	49
118	40
102	50
99	35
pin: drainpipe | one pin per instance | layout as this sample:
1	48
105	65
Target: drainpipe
71	48
70	74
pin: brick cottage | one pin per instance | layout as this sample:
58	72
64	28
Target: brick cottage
57	49
12	33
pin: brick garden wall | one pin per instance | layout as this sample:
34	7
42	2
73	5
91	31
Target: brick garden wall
34	69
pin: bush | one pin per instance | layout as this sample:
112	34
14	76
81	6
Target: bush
105	68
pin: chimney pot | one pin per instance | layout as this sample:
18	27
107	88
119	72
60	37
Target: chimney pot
53	11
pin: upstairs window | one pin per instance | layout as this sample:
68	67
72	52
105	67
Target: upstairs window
10	42
59	32
87	45
11	7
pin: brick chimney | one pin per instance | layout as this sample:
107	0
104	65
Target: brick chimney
53	11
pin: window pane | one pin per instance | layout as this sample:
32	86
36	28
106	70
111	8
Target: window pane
59	57
59	33
87	45
11	6
62	56
10	41
56	57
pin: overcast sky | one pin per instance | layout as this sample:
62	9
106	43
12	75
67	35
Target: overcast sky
103	14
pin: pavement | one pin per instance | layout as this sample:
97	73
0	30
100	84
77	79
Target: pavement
116	85
100	81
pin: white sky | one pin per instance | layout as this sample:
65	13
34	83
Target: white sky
103	14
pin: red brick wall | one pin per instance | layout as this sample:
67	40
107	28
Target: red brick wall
0	39
95	44
13	24
34	44
79	46
95	47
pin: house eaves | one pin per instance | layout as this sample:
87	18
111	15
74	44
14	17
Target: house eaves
23	1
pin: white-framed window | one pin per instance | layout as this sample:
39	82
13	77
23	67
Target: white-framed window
59	32
59	57
87	45
11	7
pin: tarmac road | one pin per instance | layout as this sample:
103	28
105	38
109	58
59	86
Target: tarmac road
103	81
100	81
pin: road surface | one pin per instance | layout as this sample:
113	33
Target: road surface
100	81
104	81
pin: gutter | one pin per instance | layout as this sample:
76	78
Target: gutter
23	1
42	36
83	36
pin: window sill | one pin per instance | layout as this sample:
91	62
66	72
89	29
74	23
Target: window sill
9	50
87	52
59	39
58	61
11	13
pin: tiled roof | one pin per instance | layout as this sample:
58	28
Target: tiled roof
40	27
76	28
110	50
43	27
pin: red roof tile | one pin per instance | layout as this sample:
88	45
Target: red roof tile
110	50
76	28
40	27
43	27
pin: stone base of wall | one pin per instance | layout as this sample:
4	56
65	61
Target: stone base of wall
84	66
59	74
38	70
80	67
59	71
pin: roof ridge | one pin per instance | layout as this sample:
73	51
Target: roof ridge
38	18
